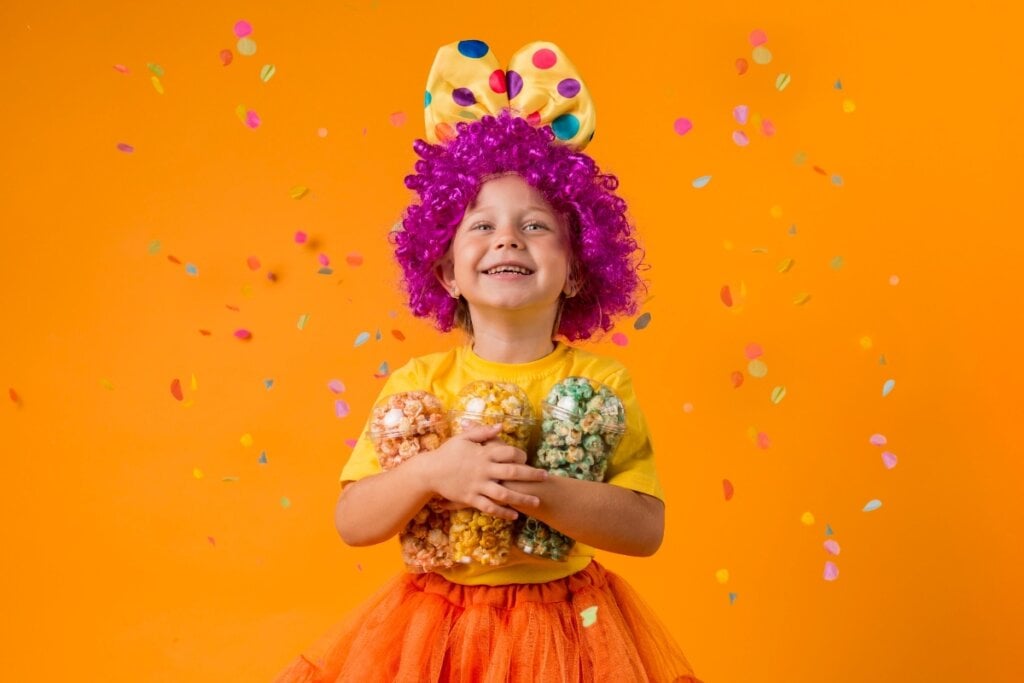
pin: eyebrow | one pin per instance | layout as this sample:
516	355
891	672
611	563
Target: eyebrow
473	206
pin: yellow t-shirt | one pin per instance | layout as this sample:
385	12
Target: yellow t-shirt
445	373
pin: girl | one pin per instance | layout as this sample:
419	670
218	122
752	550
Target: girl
519	240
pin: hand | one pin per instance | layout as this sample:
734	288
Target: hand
470	469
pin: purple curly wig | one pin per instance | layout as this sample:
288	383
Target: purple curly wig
448	177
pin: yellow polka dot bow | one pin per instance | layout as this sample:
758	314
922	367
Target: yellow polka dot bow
541	85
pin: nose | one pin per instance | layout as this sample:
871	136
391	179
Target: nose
507	237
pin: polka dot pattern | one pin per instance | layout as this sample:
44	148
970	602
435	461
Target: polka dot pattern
539	83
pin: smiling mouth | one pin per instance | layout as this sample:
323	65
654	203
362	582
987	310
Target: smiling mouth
516	270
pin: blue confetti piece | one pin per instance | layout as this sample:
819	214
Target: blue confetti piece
377	336
792	229
888	386
362	338
839	84
383	370
643	321
872	505
701	181
828	530
268	383
191	269
732	598
263	457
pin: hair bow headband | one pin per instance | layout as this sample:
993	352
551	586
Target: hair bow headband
541	85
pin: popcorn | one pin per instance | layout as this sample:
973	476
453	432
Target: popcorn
403	426
583	423
475	536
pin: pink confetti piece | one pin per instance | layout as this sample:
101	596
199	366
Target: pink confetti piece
252	119
125	147
336	385
253	263
877	440
300	237
341	408
832	546
244	335
176	389
740	138
768	128
831	571
397	118
324	261
753	351
727	489
351	443
889	459
354	259
121	68
242	28
741	66
740	113
619	339
758	37
763	442
682	126
226	57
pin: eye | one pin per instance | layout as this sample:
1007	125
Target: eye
535	226
481	226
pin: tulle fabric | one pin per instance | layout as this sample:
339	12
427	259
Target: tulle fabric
423	628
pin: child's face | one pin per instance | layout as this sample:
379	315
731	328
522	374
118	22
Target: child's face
510	253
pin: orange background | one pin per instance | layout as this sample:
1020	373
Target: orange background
145	542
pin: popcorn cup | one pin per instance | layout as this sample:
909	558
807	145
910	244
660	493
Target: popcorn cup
403	426
583	424
474	535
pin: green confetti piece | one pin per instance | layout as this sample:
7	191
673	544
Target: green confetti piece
154	246
303	319
837	263
285	502
589	616
781	81
267	72
157	70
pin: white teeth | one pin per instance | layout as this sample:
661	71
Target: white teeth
509	269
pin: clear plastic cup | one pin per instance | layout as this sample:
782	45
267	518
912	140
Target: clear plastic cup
476	536
403	426
583	424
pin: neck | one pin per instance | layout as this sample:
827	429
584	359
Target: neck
505	340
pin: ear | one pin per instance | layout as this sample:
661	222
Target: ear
444	271
572	283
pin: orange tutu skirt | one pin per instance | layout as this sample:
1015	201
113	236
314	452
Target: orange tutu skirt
423	628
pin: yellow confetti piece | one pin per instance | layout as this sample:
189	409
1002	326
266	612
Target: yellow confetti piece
195	384
188	403
240	112
759	250
246	440
247	291
781	81
197	473
761	55
785	265
157	85
778	393
801	299
303	319
107	384
849	106
589	616
757	368
722	575
866	343
776	211
298	192
807	518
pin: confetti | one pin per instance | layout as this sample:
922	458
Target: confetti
589	616
682	126
877	440
341	408
156	69
157	85
242	28
226	57
778	393
736	377
323	260
732	598
263	458
757	368
246	47
173	259
801	299
775	212
325	271
351	443
832	546
246	440
726	295
322	132
727	489
807	518
212	540
362	338
397	334
195	384
303	319
763	442
125	147
243	334
888	387
701	181
397	118
268	384
154	247
752	351
336	385
382	371
191	269
828	529
761	55
758	37
781	81
836	263
767	128
107	384
285	502
205	333
740	138
298	192
741	66
849	106
831	571
229	479
121	68
872	505
740	112
642	322
300	237
620	339
889	459
197	473
176	389
687	407
267	72
354	259
253	263
866	343
252	119
14	395
722	576
838	84
894	280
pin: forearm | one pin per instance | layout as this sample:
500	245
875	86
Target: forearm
376	508
598	514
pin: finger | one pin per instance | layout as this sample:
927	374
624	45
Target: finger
488	506
481	433
501	494
517	472
504	453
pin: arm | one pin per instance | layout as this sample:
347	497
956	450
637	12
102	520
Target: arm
603	515
469	469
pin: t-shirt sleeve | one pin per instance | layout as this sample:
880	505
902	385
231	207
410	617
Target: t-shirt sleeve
632	463
363	461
